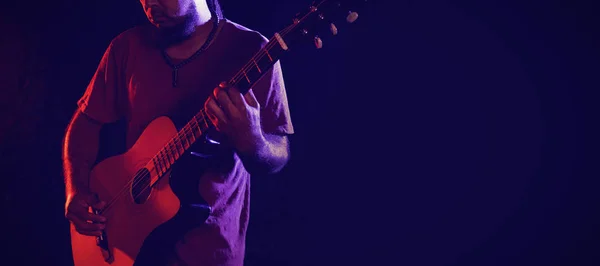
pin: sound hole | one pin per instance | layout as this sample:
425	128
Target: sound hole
140	188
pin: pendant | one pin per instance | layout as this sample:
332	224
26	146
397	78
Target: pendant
174	77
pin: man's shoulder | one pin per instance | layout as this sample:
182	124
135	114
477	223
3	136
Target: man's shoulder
132	35
243	33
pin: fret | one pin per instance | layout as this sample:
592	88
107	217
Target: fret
159	166
186	135
273	52
160	162
181	139
197	125
264	62
177	144
205	119
167	157
174	149
177	151
269	55
256	64
200	117
246	75
201	129
156	166
163	165
253	74
170	154
192	134
191	138
164	158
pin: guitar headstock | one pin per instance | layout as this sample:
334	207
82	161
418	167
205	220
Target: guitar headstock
323	17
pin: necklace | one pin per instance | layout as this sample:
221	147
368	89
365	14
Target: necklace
176	67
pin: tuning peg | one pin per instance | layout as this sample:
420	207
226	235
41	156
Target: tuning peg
333	29
318	42
352	16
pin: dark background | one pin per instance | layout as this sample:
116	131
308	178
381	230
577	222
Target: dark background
428	133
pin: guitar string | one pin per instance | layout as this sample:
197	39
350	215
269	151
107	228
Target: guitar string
239	75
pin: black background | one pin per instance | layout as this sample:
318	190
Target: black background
427	133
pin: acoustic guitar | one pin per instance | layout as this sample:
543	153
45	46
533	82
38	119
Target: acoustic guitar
145	211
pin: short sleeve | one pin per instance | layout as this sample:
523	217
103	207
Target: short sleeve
104	94
271	94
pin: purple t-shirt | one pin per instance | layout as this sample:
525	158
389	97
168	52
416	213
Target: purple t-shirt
134	82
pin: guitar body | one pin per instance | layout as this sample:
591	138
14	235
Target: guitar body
157	213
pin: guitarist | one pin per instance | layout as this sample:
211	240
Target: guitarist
170	68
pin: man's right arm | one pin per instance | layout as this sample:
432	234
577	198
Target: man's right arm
79	152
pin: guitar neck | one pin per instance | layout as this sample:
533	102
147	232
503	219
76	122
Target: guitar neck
255	69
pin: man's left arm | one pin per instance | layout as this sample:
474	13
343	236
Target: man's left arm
269	156
257	123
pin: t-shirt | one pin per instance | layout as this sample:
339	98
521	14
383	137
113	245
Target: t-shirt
134	82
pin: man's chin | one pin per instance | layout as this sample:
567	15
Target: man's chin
171	33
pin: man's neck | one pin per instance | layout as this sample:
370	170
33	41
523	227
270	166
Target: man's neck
198	37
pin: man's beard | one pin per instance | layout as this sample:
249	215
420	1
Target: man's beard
181	31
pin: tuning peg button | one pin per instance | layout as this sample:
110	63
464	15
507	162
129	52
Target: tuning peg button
318	42
333	29
352	16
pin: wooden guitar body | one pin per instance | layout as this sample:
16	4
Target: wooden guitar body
138	210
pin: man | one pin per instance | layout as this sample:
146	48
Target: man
171	67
